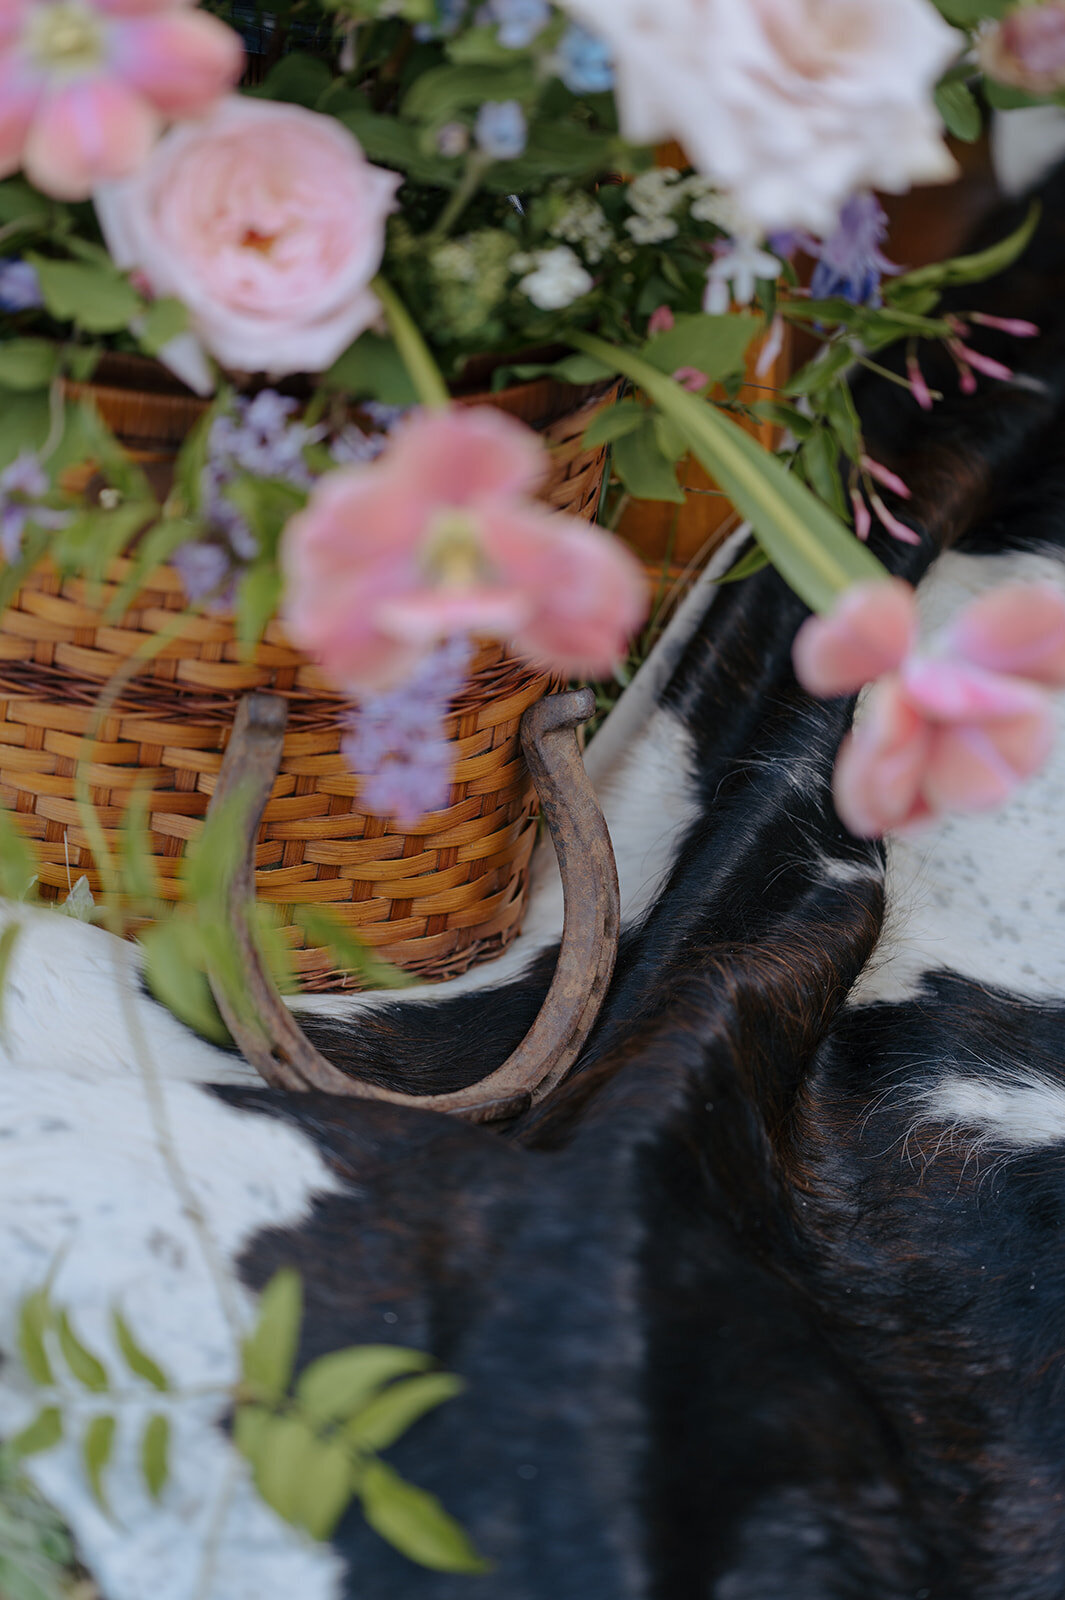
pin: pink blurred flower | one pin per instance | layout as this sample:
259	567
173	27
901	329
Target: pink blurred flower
660	320
85	85
956	730
692	379
269	223
439	537
1027	48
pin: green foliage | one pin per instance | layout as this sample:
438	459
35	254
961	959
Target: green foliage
27	363
960	110
714	345
352	955
315	1449
644	468
35	1549
972	268
95	297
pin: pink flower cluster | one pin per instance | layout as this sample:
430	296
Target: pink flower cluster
86	85
438	537
954	730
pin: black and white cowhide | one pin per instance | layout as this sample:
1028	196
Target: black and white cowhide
767	1302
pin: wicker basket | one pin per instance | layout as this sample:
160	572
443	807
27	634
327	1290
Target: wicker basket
436	898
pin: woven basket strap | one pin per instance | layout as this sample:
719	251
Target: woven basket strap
265	1029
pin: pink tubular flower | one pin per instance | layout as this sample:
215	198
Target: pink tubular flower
438	537
85	85
954	731
269	223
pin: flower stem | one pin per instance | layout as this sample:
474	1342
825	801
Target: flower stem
476	167
415	354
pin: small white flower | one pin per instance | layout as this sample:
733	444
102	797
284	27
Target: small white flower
558	278
584	223
734	274
651	230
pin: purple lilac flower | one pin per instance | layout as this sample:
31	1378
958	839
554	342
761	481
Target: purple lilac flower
851	262
20	287
397	741
584	62
519	21
21	486
203	568
500	129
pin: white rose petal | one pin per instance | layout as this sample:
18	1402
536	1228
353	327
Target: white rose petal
789	105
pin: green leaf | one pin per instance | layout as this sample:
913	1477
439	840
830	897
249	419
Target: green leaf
974	268
8	940
395	1409
958	107
822	372
175	976
34	1317
96	1453
714	345
43	1433
258	595
155	1454
442	92
810	547
322	928
298	78
18	200
842	415
137	1360
579	370
337	1385
285	1449
754	560
416	1523
164	320
372	367
269	1352
817	458
966	13
18	863
784	417
95	298
141	886
250	1431
612	422
642	466
392	143
89	1371
328	1483
27	363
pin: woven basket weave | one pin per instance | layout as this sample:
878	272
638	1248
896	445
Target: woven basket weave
436	898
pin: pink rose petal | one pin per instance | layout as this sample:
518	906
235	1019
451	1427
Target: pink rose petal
182	61
869	633
20	95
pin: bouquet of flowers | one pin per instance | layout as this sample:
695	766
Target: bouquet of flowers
331	221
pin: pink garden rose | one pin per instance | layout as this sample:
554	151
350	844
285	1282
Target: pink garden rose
438	537
789	105
957	730
85	85
1027	48
269	223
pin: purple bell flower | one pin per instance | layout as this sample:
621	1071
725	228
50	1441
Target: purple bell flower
851	262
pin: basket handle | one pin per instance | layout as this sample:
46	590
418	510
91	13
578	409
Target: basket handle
266	1031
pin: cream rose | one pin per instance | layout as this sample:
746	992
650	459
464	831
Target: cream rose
789	105
268	222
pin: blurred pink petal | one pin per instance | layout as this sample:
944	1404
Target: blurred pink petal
435	538
863	520
93	129
691	378
660	320
955	691
918	387
1018	629
182	62
466	453
19	98
877	783
1017	326
869	632
966	357
973	766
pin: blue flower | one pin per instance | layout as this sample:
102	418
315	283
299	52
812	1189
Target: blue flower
851	263
21	486
500	129
584	62
519	20
450	15
20	288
